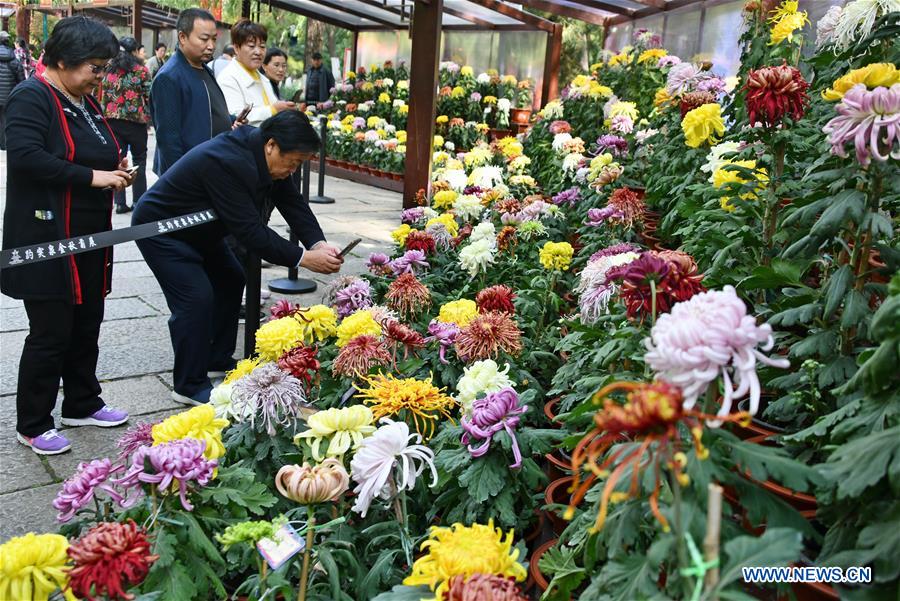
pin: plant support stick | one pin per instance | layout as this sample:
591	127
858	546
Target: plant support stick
713	530
304	571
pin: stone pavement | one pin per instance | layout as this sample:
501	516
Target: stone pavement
135	353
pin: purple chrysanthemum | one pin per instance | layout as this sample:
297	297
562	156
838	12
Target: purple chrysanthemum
496	411
179	462
615	249
598	217
79	489
617	145
567	197
134	438
412	261
269	395
444	334
870	119
670	60
357	295
378	264
411	216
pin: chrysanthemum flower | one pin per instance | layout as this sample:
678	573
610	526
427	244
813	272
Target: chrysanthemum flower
271	396
274	338
870	120
445	335
476	256
170	466
785	21
386	463
199	423
673	281
703	125
708	336
723	176
497	298
858	19
412	261
481	377
487	335
359	356
483	586
826	26
355	325
465	551
447	220
398	334
109	558
80	488
378	264
652	55
282	308
489	415
134	438
399	235
718	156
506	239
318	323
628	205
34	566
872	76
594	288
682	78
301	362
422	241
344	429
460	312
307	485
351	298
408	295
408	399
243	367
695	99
774	93
556	256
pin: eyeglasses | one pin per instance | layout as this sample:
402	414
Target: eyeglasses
98	69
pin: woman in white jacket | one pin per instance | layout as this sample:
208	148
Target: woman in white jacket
241	81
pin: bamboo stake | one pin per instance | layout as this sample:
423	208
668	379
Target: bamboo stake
713	531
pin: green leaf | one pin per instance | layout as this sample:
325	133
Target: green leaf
776	547
846	206
378	573
324	556
836	288
483	479
559	562
765	462
863	462
405	593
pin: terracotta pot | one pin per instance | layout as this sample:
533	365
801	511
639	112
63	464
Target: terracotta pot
559	464
558	493
397	177
352	166
519	116
496	134
550	408
535	531
534	572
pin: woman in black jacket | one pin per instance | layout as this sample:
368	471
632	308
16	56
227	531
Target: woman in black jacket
236	174
63	166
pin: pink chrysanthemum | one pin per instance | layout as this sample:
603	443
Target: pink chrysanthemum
80	488
870	119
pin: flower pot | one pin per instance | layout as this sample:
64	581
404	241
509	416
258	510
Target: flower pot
535	577
559	464
497	134
558	493
534	532
353	166
757	430
397	177
814	591
550	410
519	116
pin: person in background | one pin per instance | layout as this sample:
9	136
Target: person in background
141	54
63	164
157	60
319	81
25	58
187	106
235	174
241	81
11	74
275	68
125	98
223	60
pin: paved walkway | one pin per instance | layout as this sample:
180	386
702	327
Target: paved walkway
135	353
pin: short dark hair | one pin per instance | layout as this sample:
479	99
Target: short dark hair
228	49
76	40
272	53
160	45
245	30
185	23
292	131
317	56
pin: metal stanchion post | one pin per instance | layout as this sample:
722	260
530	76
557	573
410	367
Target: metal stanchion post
293	284
253	271
320	198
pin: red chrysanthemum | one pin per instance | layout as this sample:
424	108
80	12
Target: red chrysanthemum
109	558
774	93
487	335
508	205
283	308
398	334
360	355
408	295
301	363
671	274
423	241
629	204
464	232
496	298
484	587
506	239
693	100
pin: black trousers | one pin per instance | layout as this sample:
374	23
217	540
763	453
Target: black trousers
62	343
132	136
2	127
203	288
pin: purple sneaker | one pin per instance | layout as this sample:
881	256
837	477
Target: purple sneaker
107	417
50	442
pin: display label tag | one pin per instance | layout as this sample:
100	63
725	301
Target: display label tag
280	548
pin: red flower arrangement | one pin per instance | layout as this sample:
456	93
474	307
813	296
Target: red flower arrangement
484	587
496	298
774	93
360	355
398	334
109	558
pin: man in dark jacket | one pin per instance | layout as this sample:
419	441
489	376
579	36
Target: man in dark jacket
186	103
11	73
319	81
235	174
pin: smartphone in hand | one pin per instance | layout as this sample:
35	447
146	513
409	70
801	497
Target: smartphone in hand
349	247
246	111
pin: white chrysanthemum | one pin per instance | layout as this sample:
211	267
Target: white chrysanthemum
503	105
456	178
858	18
386	463
467	207
483	231
645	134
571	162
553	110
480	378
487	176
221	400
484	78
518	164
594	273
560	140
825	26
398	102
477	256
718	155
387	82
429	213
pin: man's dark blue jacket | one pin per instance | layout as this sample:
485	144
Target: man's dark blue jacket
229	174
181	111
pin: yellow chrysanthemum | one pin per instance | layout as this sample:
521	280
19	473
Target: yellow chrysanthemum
490	100
384	97
652	54
318	322
509	146
661	97
467	71
460	312
556	255
372	122
447	220
274	338
444	200
597	90
874	75
345	428
457	92
33	566
623	58
401	136
785	9
463	551
442	119
785	28
243	368
722	177
357	324
403	109
408	399
628	109
703	124
399	235
438	141
199	423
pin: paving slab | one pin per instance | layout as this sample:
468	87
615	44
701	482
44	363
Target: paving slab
29	510
117	308
19	467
